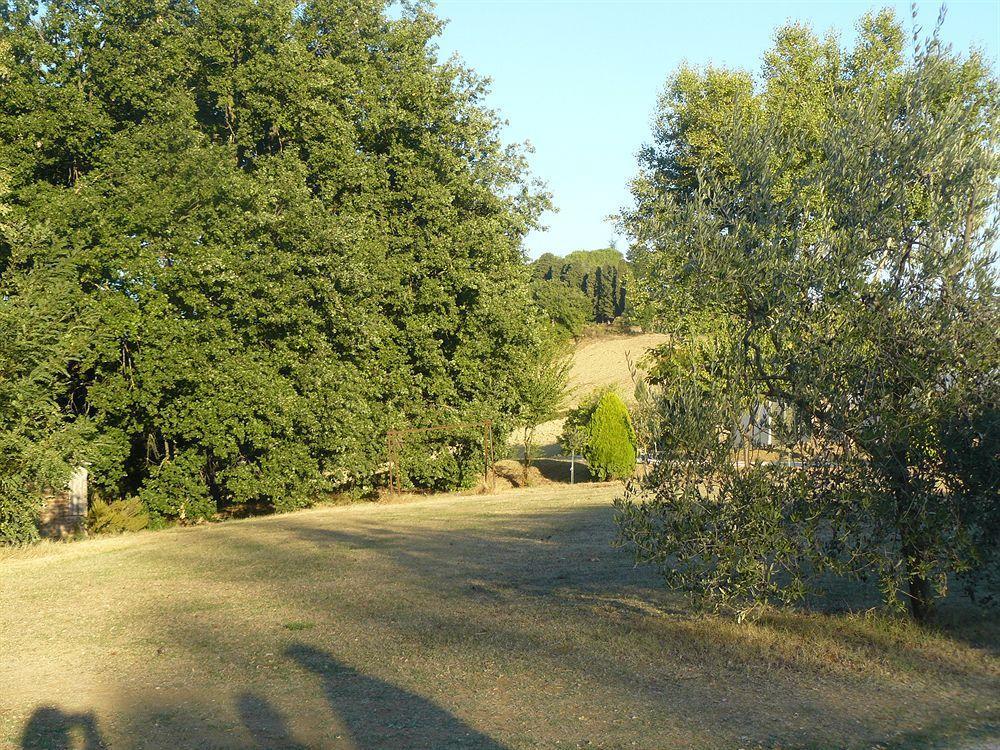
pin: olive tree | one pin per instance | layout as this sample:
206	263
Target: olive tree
824	243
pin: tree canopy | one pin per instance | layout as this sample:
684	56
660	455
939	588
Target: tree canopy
600	276
240	241
824	242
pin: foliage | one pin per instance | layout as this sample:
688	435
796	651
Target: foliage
611	448
544	384
117	517
824	243
602	276
19	507
600	428
568	309
243	240
441	461
645	419
38	445
578	417
573	438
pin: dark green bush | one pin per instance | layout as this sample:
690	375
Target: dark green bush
117	517
441	462
567	307
18	511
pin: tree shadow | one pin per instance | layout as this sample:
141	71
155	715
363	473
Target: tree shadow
380	715
557	469
265	724
555	571
50	728
558	558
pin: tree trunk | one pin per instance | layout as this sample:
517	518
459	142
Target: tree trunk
526	458
920	601
920	598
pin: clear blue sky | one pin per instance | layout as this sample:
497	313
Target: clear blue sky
579	80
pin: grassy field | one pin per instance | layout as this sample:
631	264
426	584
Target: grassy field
602	361
457	621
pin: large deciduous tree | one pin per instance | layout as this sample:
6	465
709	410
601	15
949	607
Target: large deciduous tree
824	243
244	239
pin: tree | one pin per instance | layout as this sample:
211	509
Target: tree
600	275
567	308
825	242
611	448
544	384
251	237
576	428
573	440
600	428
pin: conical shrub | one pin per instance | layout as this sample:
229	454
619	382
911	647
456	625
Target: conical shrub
611	445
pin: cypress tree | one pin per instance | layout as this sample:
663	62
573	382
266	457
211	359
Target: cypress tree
611	446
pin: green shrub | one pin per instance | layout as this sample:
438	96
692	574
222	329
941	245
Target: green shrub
611	447
18	513
117	517
567	308
441	461
175	489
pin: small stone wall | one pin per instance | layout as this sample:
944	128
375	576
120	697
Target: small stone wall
65	512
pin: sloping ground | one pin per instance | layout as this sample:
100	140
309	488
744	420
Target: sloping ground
603	361
598	362
454	622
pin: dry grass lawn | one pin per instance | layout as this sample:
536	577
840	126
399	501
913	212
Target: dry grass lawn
450	622
602	361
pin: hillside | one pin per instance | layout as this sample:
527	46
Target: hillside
598	362
603	362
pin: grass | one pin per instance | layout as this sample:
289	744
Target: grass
602	362
459	621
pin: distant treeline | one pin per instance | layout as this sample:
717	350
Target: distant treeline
586	286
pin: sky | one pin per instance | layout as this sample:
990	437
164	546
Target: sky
579	79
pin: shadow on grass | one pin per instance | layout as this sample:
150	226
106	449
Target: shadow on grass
556	560
53	729
557	469
543	590
375	714
381	715
266	725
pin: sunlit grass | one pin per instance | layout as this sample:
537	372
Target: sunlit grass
462	621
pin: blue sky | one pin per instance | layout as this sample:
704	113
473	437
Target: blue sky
579	80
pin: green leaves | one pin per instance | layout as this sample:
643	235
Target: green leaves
611	446
829	253
252	237
587	286
601	429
